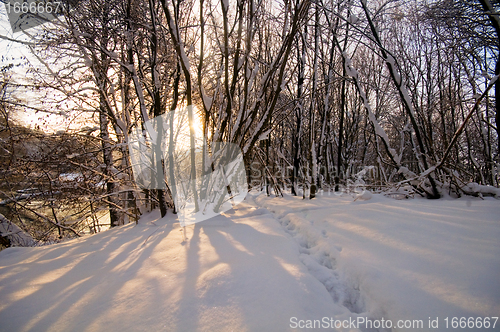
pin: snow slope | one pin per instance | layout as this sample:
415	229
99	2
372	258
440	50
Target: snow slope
237	272
257	266
401	259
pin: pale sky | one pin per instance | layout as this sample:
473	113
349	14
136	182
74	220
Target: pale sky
13	52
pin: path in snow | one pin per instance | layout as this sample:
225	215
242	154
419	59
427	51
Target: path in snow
400	260
235	272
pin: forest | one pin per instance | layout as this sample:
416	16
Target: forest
322	97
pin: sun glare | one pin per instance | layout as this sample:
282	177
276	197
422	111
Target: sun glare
197	123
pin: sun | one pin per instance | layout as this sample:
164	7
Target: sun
197	123
178	125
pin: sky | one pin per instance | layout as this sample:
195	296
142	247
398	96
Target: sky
17	53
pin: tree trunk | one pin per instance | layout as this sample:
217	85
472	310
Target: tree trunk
157	109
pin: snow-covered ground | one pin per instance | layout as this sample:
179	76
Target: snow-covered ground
403	260
271	264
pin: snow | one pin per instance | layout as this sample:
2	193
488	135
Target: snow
264	135
236	272
66	177
207	101
390	59
474	187
406	96
15	235
493	80
408	259
363	196
263	266
353	19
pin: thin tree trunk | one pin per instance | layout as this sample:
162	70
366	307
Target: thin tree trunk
157	110
298	113
312	117
184	62
104	123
